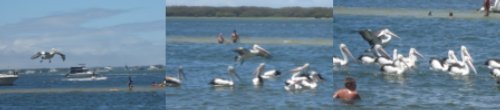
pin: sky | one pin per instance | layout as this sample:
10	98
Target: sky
93	32
261	3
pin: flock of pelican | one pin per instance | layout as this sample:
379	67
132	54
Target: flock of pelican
397	63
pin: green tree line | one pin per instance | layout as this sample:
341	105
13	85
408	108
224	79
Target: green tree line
248	11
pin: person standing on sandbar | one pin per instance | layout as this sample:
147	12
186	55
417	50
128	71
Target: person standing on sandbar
486	6
235	37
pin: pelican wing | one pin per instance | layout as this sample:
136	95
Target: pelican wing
261	51
241	51
61	54
36	55
369	37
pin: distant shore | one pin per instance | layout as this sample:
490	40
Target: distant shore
248	11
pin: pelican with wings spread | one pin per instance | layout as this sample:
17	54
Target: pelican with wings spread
244	53
48	55
382	37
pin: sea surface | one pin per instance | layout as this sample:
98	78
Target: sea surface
420	88
50	90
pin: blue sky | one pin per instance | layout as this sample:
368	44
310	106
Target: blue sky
263	3
94	32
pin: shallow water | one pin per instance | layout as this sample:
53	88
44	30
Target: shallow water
418	89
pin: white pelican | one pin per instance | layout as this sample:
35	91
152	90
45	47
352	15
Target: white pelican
271	74
461	69
385	60
443	63
48	55
492	63
377	50
312	80
257	80
464	53
382	37
337	61
300	81
412	57
244	53
173	81
397	67
223	82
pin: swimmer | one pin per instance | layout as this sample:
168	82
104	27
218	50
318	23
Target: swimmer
235	37
348	93
130	82
220	38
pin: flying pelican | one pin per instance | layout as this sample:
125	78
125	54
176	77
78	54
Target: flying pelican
257	80
337	61
460	69
492	63
271	74
224	82
412	58
244	53
382	37
48	55
173	81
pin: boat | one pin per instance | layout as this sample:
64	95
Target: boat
80	72
8	78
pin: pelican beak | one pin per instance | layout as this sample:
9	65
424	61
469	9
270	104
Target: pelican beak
392	34
465	53
418	54
382	51
346	50
469	63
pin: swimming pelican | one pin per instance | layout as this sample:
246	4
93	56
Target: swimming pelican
444	63
344	60
244	53
412	58
465	53
312	80
271	74
173	81
397	67
382	37
460	69
377	50
224	82
496	74
492	63
385	60
48	55
300	81
257	80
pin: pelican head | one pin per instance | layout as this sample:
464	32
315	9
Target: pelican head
451	55
387	32
345	50
259	69
414	51
464	53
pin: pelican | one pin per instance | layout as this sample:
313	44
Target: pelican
48	55
344	60
271	74
397	67
257	80
492	63
224	82
460	69
496	74
378	51
173	81
385	60
412	58
300	81
382	37
312	80
244	53
464	53
443	63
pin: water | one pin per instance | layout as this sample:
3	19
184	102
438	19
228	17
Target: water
42	89
417	89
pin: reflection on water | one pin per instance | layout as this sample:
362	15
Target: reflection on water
395	78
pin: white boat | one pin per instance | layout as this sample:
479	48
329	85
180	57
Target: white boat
80	72
8	79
